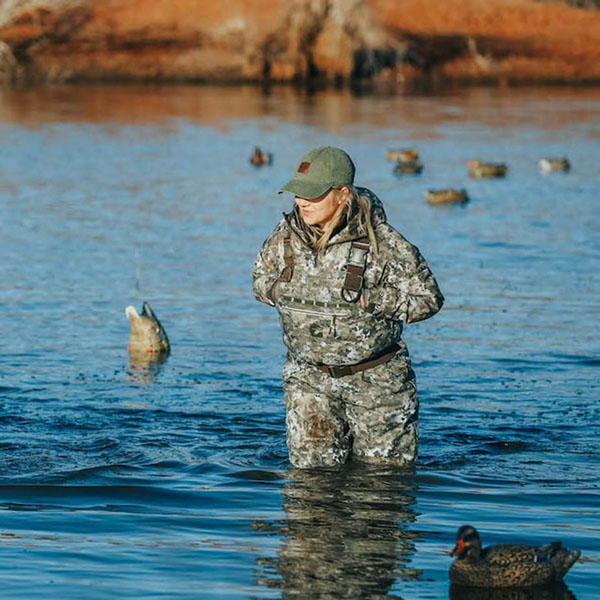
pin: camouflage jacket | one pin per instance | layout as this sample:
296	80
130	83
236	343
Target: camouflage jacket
319	326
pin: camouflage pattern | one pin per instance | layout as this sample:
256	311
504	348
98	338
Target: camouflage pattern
320	327
371	414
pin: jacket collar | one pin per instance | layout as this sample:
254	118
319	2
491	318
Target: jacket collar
346	231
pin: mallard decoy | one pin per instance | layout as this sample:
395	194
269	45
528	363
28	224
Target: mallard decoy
408	167
479	170
260	158
507	565
449	196
146	334
554	164
408	155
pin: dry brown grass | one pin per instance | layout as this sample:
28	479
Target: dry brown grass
501	40
539	41
181	15
546	26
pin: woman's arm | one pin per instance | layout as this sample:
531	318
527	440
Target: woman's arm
268	266
407	290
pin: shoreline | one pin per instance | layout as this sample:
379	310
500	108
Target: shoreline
355	87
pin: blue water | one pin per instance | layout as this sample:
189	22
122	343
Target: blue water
120	480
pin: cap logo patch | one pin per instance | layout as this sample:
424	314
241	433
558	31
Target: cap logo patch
303	168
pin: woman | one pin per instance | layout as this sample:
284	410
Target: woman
344	282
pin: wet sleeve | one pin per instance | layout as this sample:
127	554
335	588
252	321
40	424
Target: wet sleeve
407	290
267	267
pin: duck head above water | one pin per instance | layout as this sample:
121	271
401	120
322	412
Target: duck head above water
468	543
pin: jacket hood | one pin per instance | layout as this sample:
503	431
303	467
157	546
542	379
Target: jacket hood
349	230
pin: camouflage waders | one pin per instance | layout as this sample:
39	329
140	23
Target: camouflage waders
335	407
372	414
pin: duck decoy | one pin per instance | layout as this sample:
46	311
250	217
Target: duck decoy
480	170
448	196
146	334
554	164
507	565
260	158
408	167
407	155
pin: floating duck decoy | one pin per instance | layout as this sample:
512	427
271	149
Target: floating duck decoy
146	334
507	565
479	170
449	196
554	164
260	158
408	155
408	167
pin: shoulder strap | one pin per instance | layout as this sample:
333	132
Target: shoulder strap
288	259
355	268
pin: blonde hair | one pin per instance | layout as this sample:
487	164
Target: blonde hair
355	210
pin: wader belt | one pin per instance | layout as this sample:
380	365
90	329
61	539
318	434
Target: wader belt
343	370
355	268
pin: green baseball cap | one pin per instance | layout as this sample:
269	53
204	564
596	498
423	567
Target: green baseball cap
319	170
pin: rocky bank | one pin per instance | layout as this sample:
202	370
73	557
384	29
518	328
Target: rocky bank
381	42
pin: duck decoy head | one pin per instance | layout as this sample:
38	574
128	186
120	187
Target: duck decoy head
260	158
467	542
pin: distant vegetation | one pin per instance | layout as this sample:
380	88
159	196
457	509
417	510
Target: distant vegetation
501	40
587	4
374	41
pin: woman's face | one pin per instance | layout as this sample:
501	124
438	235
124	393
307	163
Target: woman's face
319	211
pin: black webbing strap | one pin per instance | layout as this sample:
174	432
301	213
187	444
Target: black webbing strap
337	371
355	268
288	259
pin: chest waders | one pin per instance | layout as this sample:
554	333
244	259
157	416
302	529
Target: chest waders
350	292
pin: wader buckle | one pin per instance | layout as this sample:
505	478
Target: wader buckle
358	253
337	371
355	268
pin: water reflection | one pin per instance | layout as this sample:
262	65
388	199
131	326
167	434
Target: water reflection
344	534
217	106
144	367
558	591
